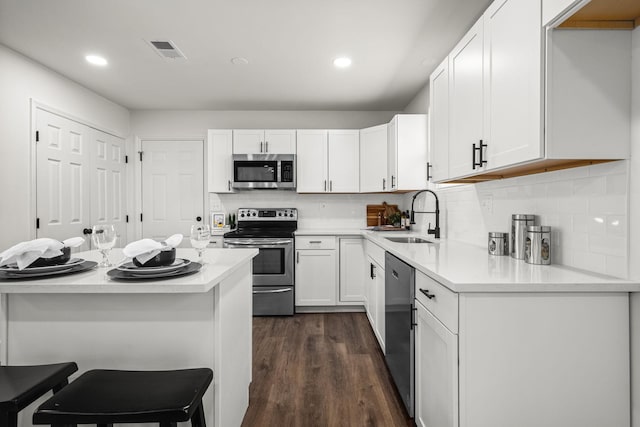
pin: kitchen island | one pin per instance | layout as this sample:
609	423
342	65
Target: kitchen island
200	320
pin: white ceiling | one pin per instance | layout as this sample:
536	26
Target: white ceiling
290	45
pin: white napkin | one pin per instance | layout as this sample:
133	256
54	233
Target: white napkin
25	253
146	249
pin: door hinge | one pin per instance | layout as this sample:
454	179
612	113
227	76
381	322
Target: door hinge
126	218
37	223
140	152
126	159
37	136
140	217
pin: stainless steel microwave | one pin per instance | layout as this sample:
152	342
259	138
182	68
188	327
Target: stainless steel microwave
275	171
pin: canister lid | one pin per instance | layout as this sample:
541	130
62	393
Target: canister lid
523	217
539	228
498	234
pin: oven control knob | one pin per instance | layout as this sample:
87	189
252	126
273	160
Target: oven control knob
254	214
279	213
242	215
291	215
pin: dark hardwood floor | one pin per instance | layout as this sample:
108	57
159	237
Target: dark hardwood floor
320	370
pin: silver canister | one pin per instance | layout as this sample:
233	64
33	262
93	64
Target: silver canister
498	243
519	224
538	245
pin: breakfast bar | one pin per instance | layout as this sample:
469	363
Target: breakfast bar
198	320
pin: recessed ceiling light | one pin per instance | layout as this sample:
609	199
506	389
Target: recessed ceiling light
239	61
342	62
96	60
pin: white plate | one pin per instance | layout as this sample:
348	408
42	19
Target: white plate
132	268
45	269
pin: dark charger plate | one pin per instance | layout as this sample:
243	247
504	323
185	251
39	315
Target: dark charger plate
190	268
39	274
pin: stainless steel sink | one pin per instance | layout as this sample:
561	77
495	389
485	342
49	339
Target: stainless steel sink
408	240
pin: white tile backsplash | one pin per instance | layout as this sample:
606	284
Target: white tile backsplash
586	207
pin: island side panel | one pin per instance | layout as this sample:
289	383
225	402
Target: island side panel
113	331
233	348
544	359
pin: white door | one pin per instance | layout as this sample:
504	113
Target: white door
344	161
380	301
316	277
466	101
373	159
280	141
439	124
392	154
352	263
107	182
172	187
311	161
63	179
436	372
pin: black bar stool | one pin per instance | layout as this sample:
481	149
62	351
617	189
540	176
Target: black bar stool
105	397
20	386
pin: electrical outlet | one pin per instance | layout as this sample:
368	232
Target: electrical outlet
487	204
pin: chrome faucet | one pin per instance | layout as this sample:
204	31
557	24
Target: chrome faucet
434	231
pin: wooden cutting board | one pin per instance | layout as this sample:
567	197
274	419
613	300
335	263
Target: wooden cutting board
374	210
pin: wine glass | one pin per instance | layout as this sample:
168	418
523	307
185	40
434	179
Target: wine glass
200	235
104	238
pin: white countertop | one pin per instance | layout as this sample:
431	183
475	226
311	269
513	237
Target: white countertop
219	264
462	267
329	232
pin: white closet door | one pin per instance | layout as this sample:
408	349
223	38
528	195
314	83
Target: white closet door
108	183
172	187
63	187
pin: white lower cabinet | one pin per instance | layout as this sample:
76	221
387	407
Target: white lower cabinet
316	271
351	266
521	359
374	290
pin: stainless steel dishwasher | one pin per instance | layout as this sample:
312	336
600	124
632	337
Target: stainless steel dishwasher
399	321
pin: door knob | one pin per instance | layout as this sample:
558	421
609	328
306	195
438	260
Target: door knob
86	231
198	218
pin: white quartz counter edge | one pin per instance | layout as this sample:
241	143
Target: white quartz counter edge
462	267
219	264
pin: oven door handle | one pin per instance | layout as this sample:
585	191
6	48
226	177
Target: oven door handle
274	291
258	243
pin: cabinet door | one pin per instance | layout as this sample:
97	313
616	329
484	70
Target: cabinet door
466	101
373	159
316	277
410	152
220	160
344	161
280	141
392	154
312	161
380	299
436	372
351	267
248	141
439	122
512	82
369	290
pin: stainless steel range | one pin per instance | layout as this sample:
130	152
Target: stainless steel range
271	231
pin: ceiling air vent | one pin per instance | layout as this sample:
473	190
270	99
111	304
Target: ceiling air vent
167	49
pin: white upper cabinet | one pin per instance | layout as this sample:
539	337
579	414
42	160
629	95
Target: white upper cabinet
466	102
258	141
344	161
407	152
512	83
439	122
220	163
328	161
373	159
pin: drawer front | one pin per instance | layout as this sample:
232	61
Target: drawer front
375	252
439	300
315	242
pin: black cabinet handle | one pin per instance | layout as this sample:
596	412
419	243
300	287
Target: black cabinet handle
482	161
427	294
429	166
413	316
87	231
372	270
198	218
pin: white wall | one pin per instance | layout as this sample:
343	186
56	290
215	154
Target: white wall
20	81
420	103
634	232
